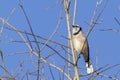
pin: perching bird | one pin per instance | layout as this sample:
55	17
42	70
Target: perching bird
78	41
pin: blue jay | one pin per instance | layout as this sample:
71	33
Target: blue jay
78	40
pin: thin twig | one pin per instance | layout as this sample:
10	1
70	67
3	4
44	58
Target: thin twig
109	77
31	51
93	22
64	68
3	62
74	16
103	69
110	29
56	68
43	72
19	69
19	33
38	48
68	52
64	37
96	59
28	21
6	71
51	73
52	41
117	21
58	54
117	73
58	25
28	40
8	18
109	68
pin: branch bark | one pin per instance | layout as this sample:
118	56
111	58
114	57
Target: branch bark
66	7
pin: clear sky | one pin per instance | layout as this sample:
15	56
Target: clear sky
44	16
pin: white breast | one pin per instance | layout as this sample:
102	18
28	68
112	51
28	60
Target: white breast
77	44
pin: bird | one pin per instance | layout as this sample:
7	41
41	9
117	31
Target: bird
81	47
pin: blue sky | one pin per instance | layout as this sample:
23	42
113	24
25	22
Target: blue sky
44	16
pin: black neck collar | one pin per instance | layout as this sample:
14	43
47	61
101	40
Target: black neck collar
77	32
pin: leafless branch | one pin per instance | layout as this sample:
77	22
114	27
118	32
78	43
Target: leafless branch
3	25
51	73
74	16
103	69
58	25
110	29
37	44
57	52
19	70
3	62
31	50
66	7
38	48
64	37
117	21
94	21
40	37
7	72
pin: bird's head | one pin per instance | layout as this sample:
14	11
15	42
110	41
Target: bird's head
76	29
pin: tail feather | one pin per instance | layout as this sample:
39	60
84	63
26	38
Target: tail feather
89	67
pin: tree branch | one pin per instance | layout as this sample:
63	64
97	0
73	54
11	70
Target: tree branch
76	77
